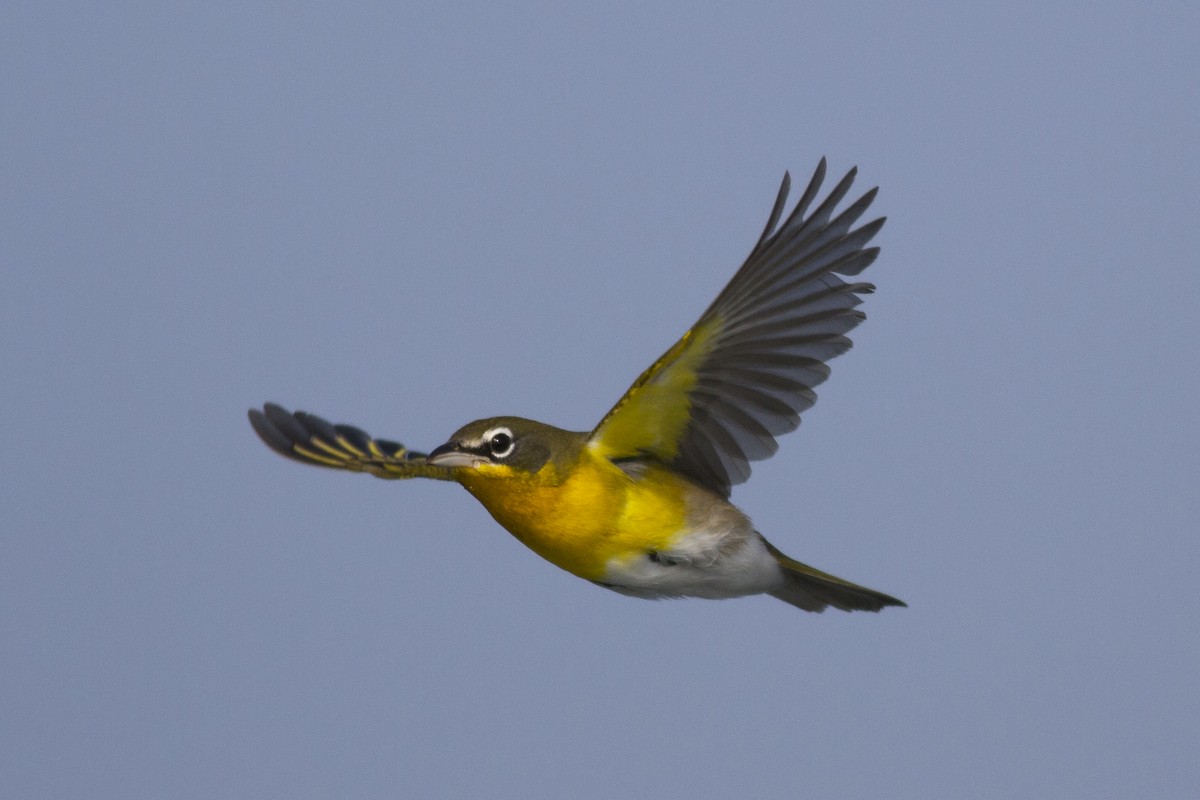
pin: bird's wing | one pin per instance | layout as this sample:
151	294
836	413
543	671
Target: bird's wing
740	377
311	440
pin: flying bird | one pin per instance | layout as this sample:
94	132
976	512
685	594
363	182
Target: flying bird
640	504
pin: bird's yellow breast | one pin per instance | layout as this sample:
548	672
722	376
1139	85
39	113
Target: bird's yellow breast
587	515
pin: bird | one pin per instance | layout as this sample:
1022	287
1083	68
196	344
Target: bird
641	503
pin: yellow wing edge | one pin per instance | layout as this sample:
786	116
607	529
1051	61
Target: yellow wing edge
309	439
652	417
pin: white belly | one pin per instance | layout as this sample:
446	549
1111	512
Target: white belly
704	563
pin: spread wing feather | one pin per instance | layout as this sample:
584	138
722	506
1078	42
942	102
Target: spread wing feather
746	370
311	440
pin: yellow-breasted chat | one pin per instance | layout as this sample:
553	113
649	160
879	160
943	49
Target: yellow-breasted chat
640	504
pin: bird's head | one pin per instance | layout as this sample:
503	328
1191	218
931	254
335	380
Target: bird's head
508	447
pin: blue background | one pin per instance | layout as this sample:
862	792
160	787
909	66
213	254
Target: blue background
409	217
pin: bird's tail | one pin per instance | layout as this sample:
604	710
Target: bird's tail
813	590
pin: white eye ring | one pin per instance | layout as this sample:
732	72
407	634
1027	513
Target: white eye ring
499	442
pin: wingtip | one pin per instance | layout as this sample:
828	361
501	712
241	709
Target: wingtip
274	436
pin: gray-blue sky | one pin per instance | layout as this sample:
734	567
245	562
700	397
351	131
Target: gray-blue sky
407	219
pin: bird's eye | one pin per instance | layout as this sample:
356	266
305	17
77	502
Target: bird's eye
500	442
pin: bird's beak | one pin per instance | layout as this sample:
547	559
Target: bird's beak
450	455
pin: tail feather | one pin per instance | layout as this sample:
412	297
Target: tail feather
813	590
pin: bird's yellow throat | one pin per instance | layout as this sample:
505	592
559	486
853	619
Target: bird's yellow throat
583	516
